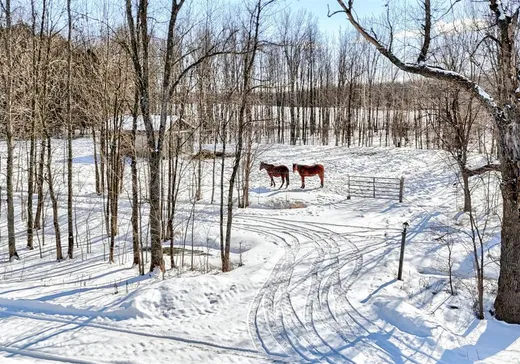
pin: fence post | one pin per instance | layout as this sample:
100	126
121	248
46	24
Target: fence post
401	189
401	257
348	187
374	186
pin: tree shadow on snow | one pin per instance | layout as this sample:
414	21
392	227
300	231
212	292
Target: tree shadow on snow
366	299
260	190
497	337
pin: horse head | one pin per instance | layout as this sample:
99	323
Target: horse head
262	165
294	167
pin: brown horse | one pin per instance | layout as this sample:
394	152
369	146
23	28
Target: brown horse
276	171
306	171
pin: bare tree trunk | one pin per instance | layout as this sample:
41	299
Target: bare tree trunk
478	256
224	258
247	165
54	201
174	191
155	211
213	170
198	192
249	59
135	188
36	57
40	181
114	175
9	134
247	173
508	297
96	163
467	192
70	221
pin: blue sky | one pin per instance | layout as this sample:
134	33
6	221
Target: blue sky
318	8
364	8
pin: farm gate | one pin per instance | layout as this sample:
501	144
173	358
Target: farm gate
375	187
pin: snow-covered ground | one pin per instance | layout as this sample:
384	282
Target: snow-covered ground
318	280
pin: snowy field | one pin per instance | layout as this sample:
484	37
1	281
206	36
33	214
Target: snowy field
317	284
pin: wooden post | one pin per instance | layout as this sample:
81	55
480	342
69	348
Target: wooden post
401	257
374	187
401	189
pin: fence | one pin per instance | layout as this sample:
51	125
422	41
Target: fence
375	187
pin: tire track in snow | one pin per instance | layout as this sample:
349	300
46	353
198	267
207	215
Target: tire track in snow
299	332
328	311
263	311
272	305
328	304
346	308
313	316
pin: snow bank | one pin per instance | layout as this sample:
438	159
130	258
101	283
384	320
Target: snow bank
405	317
182	298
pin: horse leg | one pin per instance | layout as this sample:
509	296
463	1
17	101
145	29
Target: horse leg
285	180
321	179
272	180
303	182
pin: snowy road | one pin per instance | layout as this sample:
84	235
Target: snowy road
299	313
303	312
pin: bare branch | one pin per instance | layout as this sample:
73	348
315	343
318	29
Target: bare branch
423	69
427	32
329	14
493	167
389	24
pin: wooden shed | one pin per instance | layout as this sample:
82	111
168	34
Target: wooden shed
178	132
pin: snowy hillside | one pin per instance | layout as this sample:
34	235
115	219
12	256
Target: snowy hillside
318	280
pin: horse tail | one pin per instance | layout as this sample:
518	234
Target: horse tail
287	177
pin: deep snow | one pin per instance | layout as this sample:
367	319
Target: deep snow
318	281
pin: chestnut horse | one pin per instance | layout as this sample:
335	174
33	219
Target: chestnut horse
306	171
276	171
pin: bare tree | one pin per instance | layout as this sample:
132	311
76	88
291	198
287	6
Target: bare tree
135	189
251	45
139	51
70	221
504	108
36	58
7	78
292	40
172	61
54	199
477	240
